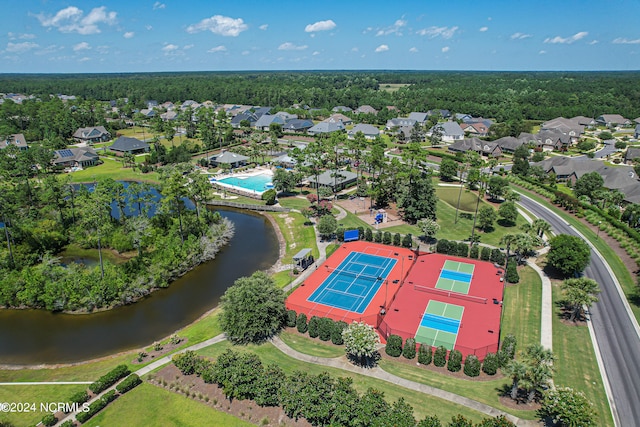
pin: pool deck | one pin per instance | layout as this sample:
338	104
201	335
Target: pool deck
244	174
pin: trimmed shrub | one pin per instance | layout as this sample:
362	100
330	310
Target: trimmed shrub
186	362
394	345
79	397
462	249
454	364
336	333
68	423
485	253
96	406
269	196
325	328
425	354
301	323
368	235
407	241
409	350
397	240
440	356
474	252
442	247
490	365
49	420
508	349
471	366
386	238
109	379
512	275
497	256
340	234
314	326
378	237
128	383
292	318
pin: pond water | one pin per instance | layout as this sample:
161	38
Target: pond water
37	336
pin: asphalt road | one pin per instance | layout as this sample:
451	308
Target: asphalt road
615	332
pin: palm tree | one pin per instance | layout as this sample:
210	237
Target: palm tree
536	379
525	243
537	354
541	226
580	293
508	240
516	370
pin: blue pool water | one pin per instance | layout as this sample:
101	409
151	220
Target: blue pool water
257	183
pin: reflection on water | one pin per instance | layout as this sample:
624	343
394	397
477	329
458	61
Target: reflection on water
34	336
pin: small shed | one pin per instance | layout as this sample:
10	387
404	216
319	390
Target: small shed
303	259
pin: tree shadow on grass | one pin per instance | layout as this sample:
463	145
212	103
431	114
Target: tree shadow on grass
365	362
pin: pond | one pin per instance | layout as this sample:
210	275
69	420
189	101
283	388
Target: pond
38	336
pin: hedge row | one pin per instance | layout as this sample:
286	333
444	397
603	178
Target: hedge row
109	379
462	249
318	327
379	236
96	406
472	366
130	382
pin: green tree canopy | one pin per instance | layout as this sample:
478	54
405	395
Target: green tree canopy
327	226
448	169
568	254
579	293
417	199
568	407
252	309
587	184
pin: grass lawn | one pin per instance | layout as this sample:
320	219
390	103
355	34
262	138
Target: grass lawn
34	394
422	404
296	234
449	195
148	405
76	251
521	308
112	169
331	248
306	345
293	202
282	278
576	366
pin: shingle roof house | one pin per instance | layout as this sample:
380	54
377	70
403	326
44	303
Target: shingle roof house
366	109
17	139
509	144
335	180
451	131
610	120
298	125
74	157
228	158
399	122
636	133
265	121
369	131
129	145
631	154
484	148
344	119
419	117
326	127
341	109
92	134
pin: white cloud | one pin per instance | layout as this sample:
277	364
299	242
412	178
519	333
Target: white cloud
14	36
520	36
320	26
592	42
445	49
291	46
264	27
21	47
394	29
188	46
245	52
128	35
148	27
382	48
49	49
157	5
73	20
170	48
81	46
542	52
432	32
218	24
413	50
354	49
624	40
315	53
220	48
84	59
483	29
567	40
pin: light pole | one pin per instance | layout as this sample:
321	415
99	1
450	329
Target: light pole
598	232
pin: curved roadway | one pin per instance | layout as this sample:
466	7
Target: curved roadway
616	334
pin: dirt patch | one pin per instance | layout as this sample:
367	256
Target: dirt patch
195	388
162	349
361	208
520	404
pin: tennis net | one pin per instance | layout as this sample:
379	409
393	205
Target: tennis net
354	274
451	294
440	320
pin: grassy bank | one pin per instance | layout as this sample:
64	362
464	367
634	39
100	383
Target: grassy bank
522	304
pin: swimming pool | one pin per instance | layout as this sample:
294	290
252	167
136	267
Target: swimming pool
258	183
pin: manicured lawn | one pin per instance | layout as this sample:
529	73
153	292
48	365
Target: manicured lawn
331	249
576	364
34	394
423	404
293	202
306	345
148	405
449	195
297	235
201	330
521	308
112	169
282	278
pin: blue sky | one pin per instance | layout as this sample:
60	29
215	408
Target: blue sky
50	36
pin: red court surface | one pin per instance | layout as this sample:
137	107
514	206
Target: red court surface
405	258
480	324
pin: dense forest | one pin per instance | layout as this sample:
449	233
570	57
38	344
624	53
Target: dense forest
500	95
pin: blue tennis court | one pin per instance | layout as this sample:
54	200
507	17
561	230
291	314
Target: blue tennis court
455	275
353	284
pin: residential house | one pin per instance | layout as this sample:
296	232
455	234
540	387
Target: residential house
400	122
612	120
369	131
167	106
445	114
297	125
366	109
286	116
636	120
486	122
568	168
450	131
584	121
264	122
128	145
327	126
234	160
419	117
344	119
336	180
92	134
475	129
566	126
463	117
484	148
75	157
260	111
285	160
16	139
509	144
152	103
249	116
631	155
169	116
341	109
147	113
190	103
636	133
548	140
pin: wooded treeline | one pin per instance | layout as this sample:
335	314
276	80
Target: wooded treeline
500	95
